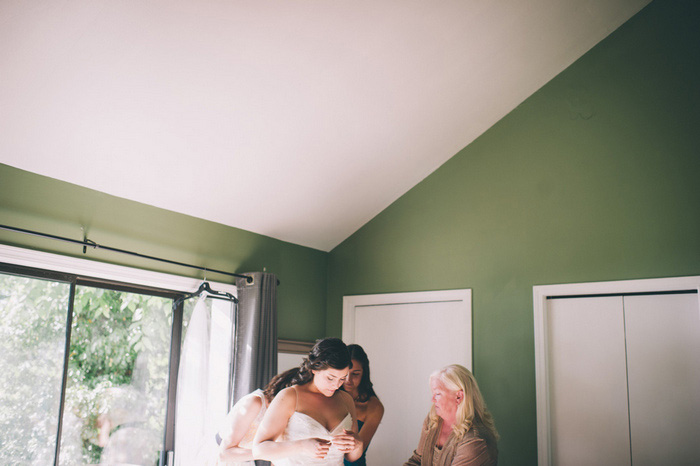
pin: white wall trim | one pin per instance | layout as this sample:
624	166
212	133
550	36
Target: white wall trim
96	269
540	295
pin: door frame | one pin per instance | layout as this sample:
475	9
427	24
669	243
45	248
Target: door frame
540	295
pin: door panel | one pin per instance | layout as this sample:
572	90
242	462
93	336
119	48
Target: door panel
663	354
587	383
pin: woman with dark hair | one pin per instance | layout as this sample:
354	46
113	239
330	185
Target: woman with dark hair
368	408
312	422
235	438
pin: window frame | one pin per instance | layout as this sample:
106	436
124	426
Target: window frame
78	271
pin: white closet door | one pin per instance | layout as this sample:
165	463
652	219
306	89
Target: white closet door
589	422
663	357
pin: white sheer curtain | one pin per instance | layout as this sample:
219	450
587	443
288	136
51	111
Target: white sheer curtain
203	379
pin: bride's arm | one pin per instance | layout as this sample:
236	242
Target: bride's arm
266	446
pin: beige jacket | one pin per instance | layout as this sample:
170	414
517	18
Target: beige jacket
470	450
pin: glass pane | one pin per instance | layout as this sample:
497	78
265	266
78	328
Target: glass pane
33	316
187	310
116	393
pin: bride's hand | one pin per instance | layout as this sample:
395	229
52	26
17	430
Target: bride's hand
316	447
345	442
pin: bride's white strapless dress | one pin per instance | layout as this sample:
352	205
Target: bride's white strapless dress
302	426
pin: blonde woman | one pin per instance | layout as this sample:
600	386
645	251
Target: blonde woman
459	429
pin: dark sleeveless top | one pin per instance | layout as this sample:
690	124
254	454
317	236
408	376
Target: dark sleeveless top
361	461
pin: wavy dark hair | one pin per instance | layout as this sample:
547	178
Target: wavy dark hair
326	353
279	382
364	389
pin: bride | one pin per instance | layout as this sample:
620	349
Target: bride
312	422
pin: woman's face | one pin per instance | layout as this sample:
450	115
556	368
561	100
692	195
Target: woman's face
354	378
445	401
329	380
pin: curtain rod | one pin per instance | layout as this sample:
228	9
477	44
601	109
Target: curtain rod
86	242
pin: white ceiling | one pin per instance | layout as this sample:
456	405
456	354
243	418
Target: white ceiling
300	120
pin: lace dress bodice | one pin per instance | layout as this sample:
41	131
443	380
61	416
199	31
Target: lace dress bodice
302	426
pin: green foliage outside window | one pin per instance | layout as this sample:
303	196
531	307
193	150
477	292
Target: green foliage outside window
117	370
32	345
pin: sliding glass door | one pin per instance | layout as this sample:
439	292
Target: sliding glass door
33	319
116	391
105	401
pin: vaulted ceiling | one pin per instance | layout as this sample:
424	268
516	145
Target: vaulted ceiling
299	120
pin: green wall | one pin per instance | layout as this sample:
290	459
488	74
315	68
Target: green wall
43	204
594	177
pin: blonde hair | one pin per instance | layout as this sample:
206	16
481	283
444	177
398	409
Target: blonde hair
471	412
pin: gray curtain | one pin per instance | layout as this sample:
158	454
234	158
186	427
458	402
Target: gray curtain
255	356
